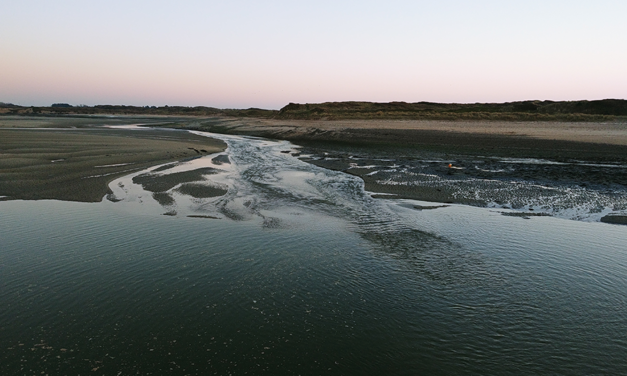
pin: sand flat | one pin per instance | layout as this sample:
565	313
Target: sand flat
68	163
559	141
77	164
609	133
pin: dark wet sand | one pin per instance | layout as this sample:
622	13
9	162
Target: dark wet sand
467	144
550	140
27	170
78	164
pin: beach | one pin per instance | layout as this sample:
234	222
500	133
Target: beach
307	257
518	165
462	162
559	140
76	164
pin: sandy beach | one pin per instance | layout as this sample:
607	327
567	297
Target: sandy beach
77	161
542	157
552	140
614	133
76	164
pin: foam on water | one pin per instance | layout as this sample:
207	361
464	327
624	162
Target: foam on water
262	171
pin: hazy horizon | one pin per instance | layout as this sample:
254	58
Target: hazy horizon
246	54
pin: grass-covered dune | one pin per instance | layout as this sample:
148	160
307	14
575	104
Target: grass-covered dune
600	110
66	109
597	110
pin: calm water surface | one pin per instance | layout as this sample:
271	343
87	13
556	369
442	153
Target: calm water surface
297	270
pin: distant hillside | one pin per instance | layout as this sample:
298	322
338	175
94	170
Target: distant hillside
528	110
66	109
599	110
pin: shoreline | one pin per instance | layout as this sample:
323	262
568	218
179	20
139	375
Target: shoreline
78	164
589	159
599	142
63	164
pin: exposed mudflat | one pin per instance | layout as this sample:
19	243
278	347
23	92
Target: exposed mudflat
572	170
574	189
529	139
76	164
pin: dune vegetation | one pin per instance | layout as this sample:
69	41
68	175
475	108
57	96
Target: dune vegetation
596	110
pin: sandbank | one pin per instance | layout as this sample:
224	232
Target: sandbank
587	157
77	164
551	140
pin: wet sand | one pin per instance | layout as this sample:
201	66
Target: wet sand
551	140
588	157
599	133
78	164
86	159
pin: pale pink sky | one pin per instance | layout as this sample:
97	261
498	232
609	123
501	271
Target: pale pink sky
266	54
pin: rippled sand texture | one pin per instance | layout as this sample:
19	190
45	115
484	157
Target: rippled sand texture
180	188
552	140
77	164
575	190
572	170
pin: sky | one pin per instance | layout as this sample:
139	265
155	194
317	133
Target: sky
266	54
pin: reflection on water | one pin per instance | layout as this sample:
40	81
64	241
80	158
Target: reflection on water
291	268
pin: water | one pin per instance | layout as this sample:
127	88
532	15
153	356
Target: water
297	270
575	190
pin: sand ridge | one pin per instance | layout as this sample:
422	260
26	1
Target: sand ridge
606	133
